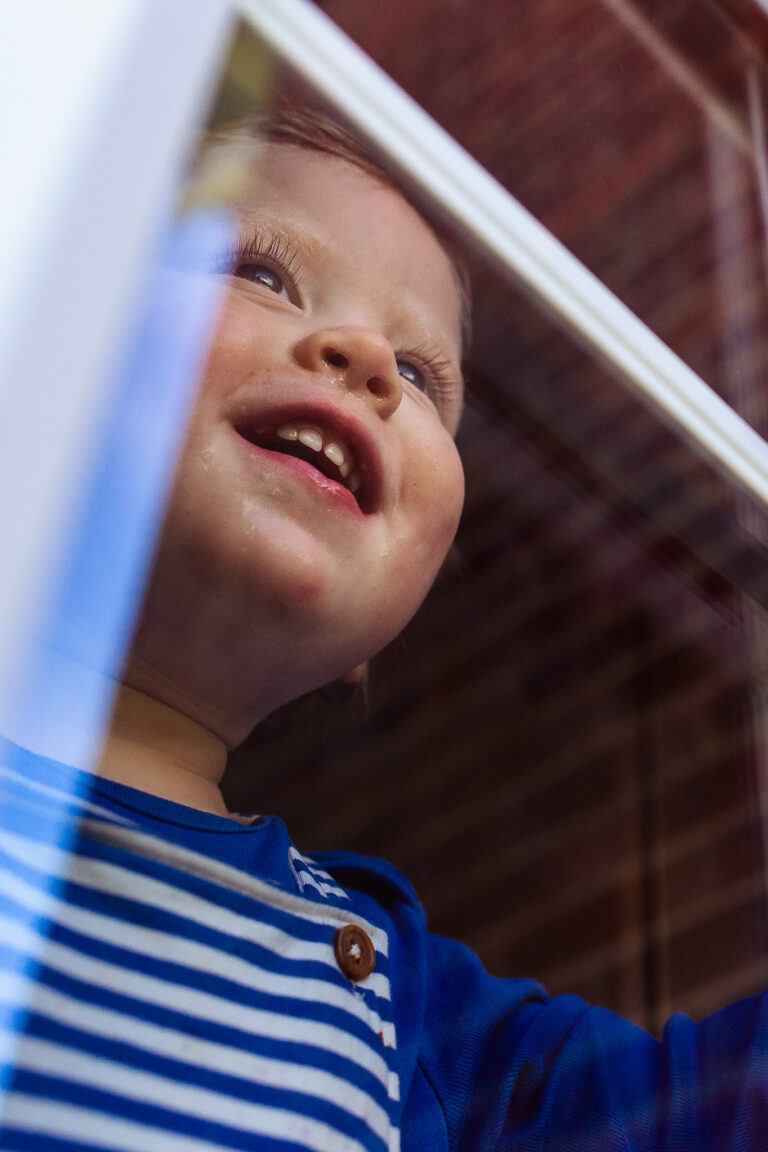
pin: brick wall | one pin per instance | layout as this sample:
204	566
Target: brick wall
565	751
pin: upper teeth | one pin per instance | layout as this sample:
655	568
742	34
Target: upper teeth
318	440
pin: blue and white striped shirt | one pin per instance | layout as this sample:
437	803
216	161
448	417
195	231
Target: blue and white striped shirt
187	998
187	995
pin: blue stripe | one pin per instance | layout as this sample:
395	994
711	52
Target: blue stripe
212	983
271	1047
209	889
138	1112
25	815
146	915
247	905
32	817
291	1099
242	947
13	1140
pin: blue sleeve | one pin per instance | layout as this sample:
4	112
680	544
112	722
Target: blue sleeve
514	1070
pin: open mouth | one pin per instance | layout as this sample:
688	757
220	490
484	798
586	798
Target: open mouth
323	449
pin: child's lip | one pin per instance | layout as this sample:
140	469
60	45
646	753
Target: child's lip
329	488
248	422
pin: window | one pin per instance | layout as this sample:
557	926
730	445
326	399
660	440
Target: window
578	714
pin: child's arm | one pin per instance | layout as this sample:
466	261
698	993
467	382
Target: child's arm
491	1065
511	1068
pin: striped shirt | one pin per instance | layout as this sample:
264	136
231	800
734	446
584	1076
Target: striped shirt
186	995
186	998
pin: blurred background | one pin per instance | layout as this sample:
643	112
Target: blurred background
566	752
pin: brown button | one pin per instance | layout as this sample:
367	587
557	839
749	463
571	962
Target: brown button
355	954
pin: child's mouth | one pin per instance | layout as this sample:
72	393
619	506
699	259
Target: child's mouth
324	451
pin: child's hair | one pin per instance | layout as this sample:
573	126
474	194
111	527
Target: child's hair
306	127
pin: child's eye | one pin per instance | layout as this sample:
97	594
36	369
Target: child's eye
269	261
262	274
438	379
410	371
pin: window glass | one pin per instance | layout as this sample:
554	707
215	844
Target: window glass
577	715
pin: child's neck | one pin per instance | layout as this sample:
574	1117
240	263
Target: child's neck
156	749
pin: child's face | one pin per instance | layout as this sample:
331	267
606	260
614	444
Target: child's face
342	326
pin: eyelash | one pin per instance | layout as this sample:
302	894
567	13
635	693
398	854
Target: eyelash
438	375
273	250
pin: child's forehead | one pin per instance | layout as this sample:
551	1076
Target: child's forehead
333	196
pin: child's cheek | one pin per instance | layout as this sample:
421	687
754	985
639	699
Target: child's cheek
436	495
238	338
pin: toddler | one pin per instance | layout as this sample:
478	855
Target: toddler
203	986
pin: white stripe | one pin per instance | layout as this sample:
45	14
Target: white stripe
71	1122
192	1003
206	958
215	1057
233	879
50	1059
306	873
64	798
304	877
213	960
150	892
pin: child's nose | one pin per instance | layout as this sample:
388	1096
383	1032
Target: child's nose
361	358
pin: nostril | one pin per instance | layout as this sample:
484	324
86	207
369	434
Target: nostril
335	358
377	386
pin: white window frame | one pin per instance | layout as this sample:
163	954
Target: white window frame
524	251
